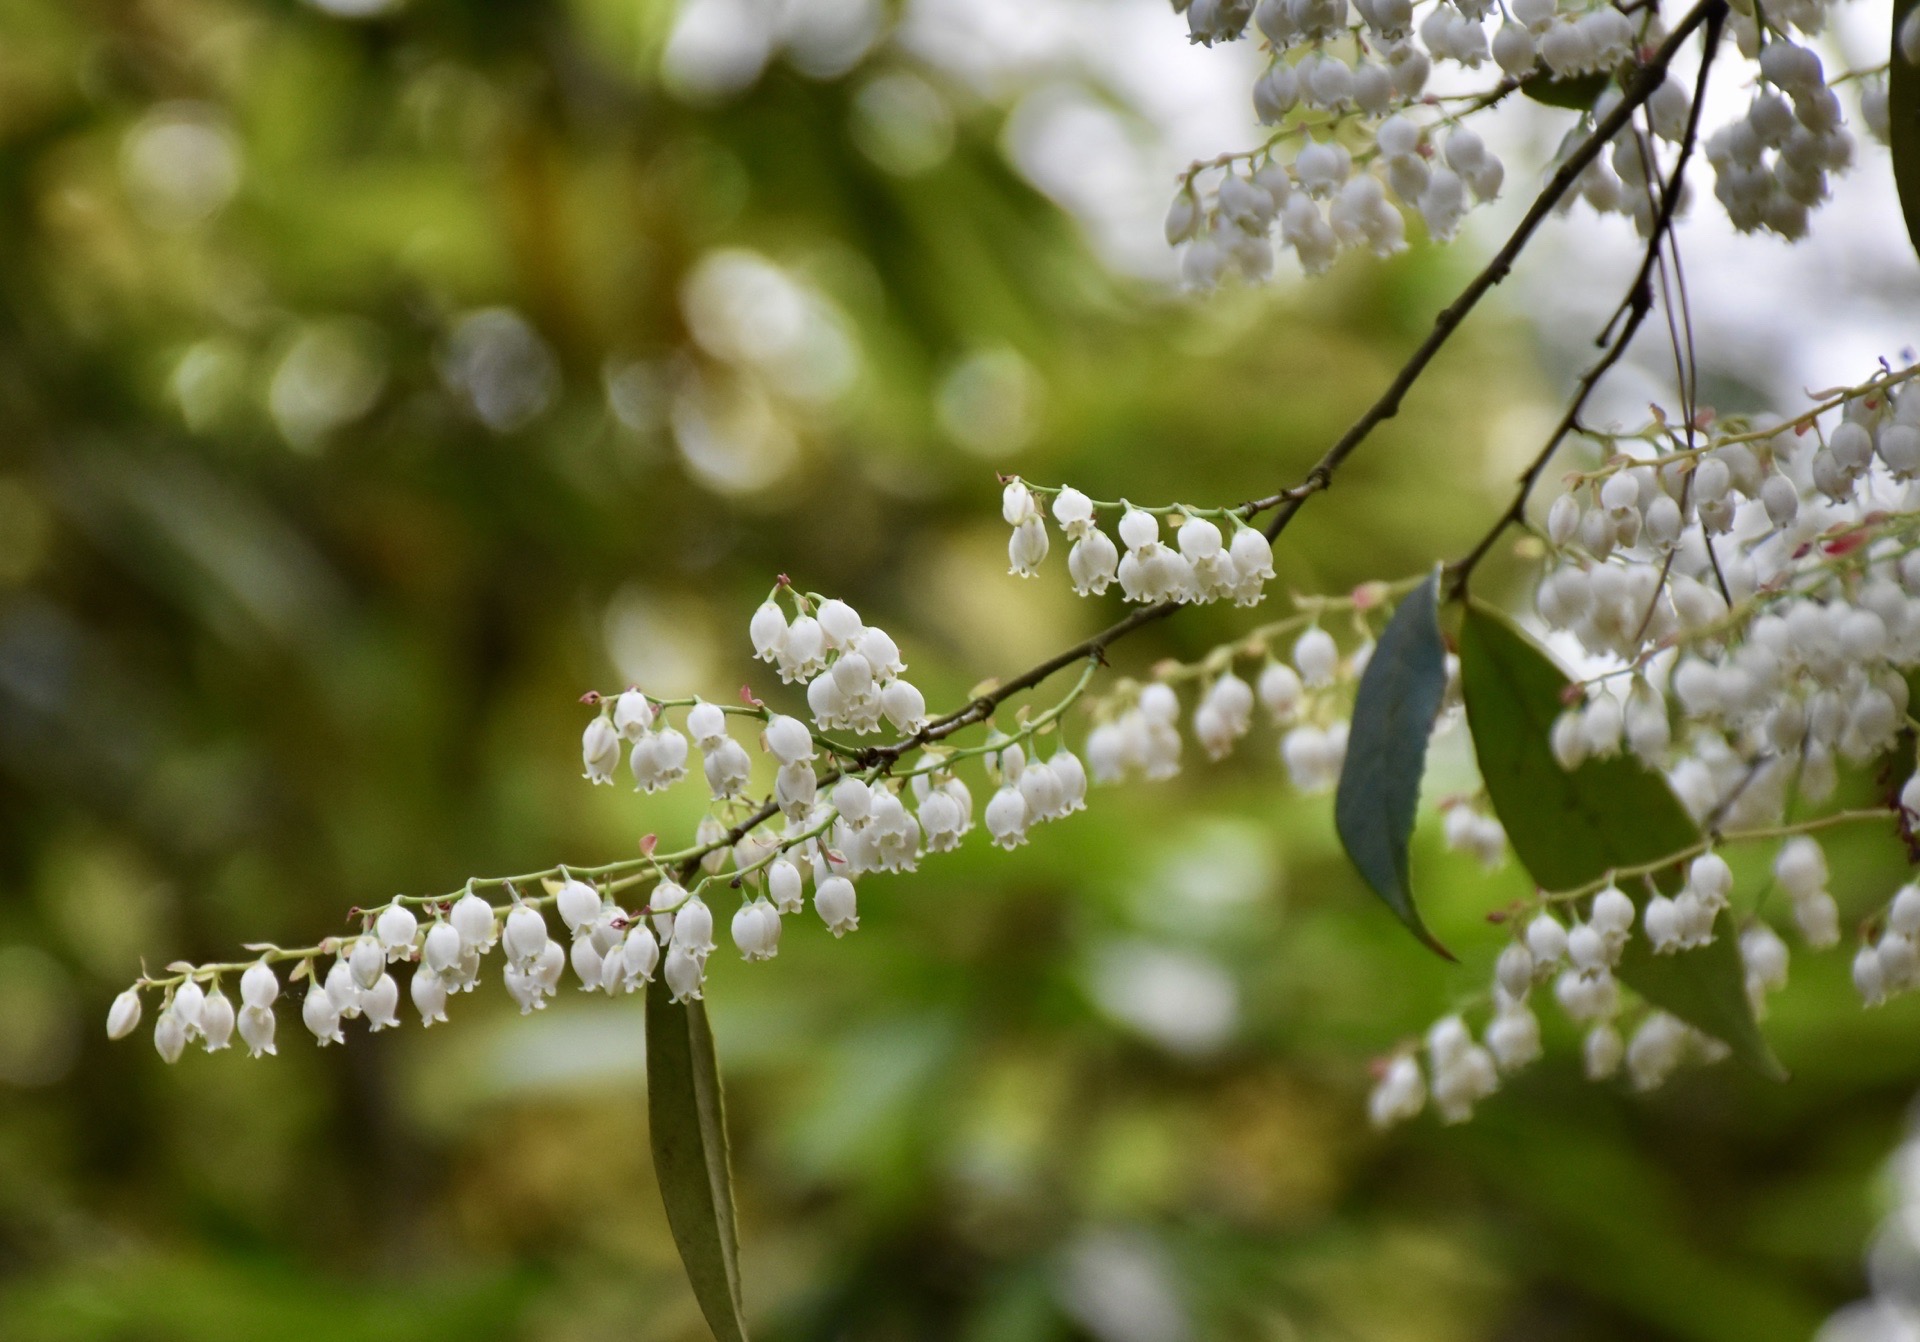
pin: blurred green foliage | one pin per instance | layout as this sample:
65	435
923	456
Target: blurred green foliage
362	409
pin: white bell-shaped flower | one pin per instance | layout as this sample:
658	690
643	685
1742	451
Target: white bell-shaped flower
321	1015
396	927
256	1030
632	714
1092	563
381	1003
170	1035
525	936
639	954
472	918
429	993
686	975
767	631
259	986
577	903
756	930
834	900
216	1021
600	750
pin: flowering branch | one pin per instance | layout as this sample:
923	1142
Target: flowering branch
1635	308
1646	81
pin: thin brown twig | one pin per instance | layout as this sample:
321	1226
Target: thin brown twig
1289	501
1639	303
1641	87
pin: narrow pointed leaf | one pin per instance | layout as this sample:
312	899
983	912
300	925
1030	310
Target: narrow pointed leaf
1903	121
1393	713
687	1122
1572	827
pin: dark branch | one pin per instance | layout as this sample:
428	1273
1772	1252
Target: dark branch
1641	87
1636	306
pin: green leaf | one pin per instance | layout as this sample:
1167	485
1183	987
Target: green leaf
1903	124
1572	828
687	1122
1393	713
1577	93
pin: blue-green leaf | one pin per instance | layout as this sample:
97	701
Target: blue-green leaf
1572	827
687	1123
1393	713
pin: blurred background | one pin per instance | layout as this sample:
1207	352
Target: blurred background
375	379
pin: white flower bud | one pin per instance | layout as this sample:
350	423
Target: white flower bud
1513	971
840	624
123	1017
170	1035
1183	216
1017	503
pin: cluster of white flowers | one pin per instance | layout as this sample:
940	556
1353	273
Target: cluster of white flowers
1202	564
1626	180
1890	964
860	814
1765	583
1771	166
1310	700
852	669
1358	141
1469	829
1579	960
